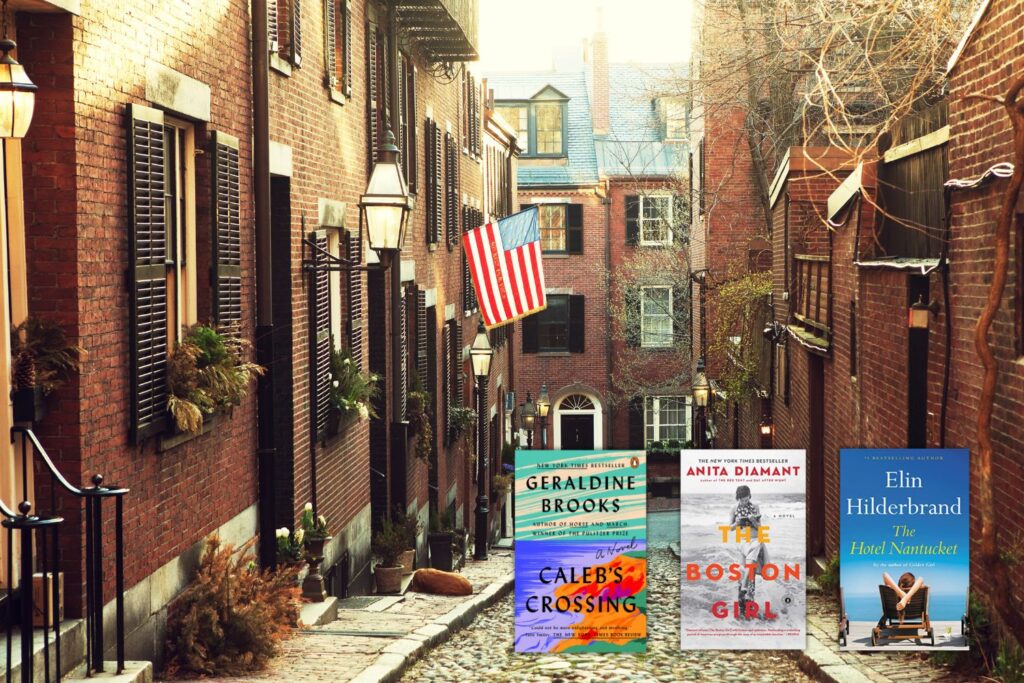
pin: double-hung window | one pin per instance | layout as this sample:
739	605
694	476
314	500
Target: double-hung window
552	225
517	116
666	418
540	123
180	212
548	117
656	327
655	220
553	324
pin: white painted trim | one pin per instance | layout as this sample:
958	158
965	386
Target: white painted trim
918	145
597	412
408	270
449	311
779	181
430	297
845	192
966	39
330	213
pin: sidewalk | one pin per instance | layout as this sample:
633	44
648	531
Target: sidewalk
379	639
823	660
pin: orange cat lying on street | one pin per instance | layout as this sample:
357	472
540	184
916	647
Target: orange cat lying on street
440	583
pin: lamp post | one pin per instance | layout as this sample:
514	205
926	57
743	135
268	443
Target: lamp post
480	353
543	406
529	412
701	393
384	208
17	91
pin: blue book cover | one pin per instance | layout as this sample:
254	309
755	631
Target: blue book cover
904	539
581	551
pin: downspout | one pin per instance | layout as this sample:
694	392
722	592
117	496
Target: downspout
948	311
607	201
264	294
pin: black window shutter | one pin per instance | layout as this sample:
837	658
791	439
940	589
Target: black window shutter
348	38
421	337
320	334
636	422
148	255
574	225
227	232
401	131
632	219
451	174
372	105
272	26
438	204
355	302
411	118
330	44
576	323
296	28
446	378
632	321
531	340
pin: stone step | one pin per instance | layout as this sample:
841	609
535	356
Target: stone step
134	672
72	650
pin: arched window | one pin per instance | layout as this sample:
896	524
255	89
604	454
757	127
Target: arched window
576	402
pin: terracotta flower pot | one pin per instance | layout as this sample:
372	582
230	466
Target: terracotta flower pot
389	579
407	559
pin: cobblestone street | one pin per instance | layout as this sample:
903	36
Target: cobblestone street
483	651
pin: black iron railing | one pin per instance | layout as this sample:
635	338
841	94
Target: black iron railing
32	457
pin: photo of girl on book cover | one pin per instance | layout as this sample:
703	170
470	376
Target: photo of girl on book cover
742	539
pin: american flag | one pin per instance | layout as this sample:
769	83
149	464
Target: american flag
505	262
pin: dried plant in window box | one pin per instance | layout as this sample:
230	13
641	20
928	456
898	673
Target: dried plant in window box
207	373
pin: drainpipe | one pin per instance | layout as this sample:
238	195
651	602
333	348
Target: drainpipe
264	294
607	201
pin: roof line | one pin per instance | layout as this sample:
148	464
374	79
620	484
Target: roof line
968	34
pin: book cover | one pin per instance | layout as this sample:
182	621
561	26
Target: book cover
742	535
581	551
904	558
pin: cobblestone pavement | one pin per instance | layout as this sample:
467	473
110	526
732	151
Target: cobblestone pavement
877	667
483	651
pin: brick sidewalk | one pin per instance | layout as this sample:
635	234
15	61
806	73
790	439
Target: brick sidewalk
823	660
365	645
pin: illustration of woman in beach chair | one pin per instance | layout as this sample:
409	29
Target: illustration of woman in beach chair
904	610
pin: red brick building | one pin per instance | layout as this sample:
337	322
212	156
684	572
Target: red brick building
135	206
604	161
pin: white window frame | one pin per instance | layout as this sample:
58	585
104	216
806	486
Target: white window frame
644	343
334	288
642	220
181	228
652	418
545	231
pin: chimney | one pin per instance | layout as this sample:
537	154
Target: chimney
599	77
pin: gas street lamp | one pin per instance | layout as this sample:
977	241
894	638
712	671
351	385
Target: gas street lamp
701	393
480	354
543	406
529	413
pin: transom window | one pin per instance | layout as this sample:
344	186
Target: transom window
551	221
655	220
667	417
656	328
576	402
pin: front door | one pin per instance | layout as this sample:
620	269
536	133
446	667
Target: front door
577	432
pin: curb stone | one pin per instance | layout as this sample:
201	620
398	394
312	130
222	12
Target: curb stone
396	657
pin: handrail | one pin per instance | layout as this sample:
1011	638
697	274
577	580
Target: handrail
93	497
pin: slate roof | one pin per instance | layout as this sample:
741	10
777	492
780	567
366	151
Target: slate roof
634	144
581	168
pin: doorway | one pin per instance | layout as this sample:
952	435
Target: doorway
577	432
816	455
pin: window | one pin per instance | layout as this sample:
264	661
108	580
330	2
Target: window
517	116
656	328
334	242
540	123
667	417
548	117
675	116
180	210
655	220
811	300
552	227
560	327
284	25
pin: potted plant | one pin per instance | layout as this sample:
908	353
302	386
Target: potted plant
501	485
314	539
410	527
441	540
289	551
207	373
43	361
460	419
387	545
352	392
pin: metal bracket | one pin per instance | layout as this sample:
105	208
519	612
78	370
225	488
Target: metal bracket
334	263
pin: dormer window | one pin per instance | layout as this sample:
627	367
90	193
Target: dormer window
540	122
